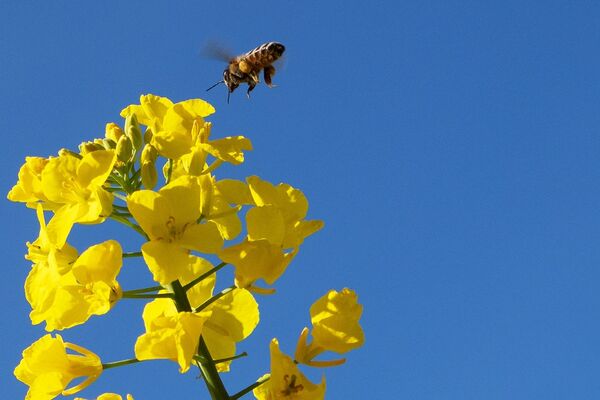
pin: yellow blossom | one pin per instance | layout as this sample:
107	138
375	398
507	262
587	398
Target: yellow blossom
222	324
179	131
169	334
65	296
113	132
257	259
48	369
45	249
279	214
335	319
29	187
286	380
108	396
169	217
70	186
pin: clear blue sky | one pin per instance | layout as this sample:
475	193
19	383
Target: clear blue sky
451	148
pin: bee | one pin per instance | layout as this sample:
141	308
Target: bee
245	68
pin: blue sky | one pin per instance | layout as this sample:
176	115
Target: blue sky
450	147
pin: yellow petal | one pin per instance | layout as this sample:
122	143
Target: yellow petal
204	238
335	318
183	197
234	191
94	167
265	223
166	261
151	211
230	149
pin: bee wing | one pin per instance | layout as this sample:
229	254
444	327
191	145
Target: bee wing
217	51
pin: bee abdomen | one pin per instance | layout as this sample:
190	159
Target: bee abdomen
265	54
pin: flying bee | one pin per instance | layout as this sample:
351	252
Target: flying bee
246	67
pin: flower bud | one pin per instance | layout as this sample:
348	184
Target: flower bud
149	154
148	135
149	175
132	129
113	132
88	147
124	149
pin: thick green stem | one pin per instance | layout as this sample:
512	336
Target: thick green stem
207	366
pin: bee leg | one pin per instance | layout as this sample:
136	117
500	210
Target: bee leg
251	86
268	74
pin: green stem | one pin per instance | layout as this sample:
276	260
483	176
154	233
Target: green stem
250	388
207	366
130	224
120	363
148	296
120	196
203	276
144	290
222	360
214	298
132	254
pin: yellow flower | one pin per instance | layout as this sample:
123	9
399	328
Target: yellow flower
170	217
66	296
45	250
169	334
286	381
69	186
108	396
47	368
234	316
279	214
113	132
275	223
229	149
179	131
335	319
150	111
29	186
258	259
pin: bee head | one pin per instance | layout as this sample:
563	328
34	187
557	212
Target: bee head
230	80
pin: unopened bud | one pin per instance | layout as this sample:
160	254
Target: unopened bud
132	129
149	175
148	135
149	154
66	152
88	147
124	149
113	132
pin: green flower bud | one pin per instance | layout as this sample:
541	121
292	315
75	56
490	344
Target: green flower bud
124	149
132	129
149	154
113	132
149	175
88	147
148	135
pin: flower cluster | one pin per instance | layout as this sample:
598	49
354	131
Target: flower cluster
192	226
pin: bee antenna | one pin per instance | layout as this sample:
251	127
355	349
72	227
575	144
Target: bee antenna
216	84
